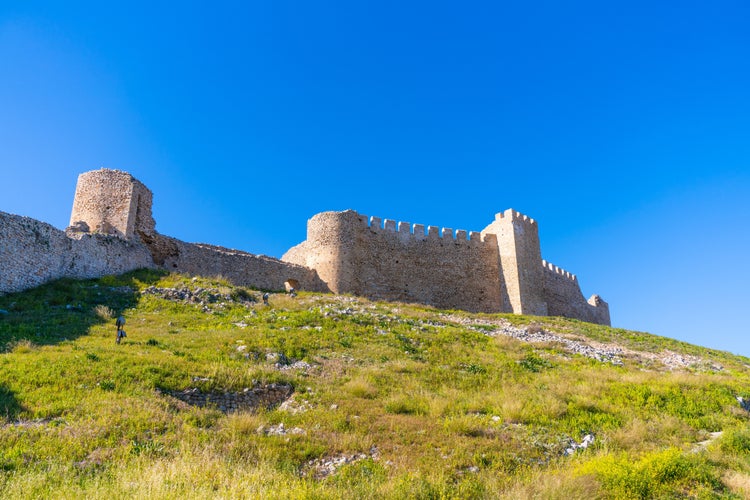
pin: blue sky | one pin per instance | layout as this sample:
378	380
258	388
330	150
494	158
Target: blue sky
622	127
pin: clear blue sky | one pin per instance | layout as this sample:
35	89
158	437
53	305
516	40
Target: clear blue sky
622	127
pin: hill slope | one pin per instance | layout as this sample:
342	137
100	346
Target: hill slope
213	394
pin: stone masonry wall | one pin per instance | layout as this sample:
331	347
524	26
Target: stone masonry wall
112	231
33	252
238	267
263	396
385	260
564	298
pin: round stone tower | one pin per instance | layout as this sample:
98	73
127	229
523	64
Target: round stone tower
331	249
112	202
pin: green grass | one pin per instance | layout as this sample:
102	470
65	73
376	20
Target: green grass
430	408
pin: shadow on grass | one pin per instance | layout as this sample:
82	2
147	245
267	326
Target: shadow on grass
10	408
66	309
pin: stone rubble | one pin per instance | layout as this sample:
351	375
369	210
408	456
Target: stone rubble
284	363
293	407
297	365
279	430
588	440
673	361
324	467
702	445
209	298
605	354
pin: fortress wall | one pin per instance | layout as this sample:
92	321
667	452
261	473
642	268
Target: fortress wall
240	268
564	297
381	259
33	253
112	231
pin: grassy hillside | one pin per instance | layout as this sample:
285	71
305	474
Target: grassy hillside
389	401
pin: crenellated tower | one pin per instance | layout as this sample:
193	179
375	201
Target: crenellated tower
520	261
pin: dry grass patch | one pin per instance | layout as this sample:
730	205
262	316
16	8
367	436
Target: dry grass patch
553	485
361	388
738	483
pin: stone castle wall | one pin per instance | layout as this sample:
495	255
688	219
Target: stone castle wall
112	231
33	252
240	268
564	298
381	259
497	270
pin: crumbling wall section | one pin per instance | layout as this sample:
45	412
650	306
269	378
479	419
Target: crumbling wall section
385	260
34	252
564	298
240	268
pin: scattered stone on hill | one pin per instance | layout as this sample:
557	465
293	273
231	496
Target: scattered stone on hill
673	361
279	359
294	407
297	365
603	353
209	298
282	362
702	445
324	467
266	396
744	403
607	353
588	440
279	430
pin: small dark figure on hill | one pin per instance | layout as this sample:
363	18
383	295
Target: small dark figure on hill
265	298
120	332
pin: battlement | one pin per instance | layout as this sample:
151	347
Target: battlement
558	270
515	216
423	232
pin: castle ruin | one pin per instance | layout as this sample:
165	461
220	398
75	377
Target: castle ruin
112	230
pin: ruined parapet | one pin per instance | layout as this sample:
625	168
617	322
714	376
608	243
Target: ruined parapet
111	202
520	261
563	296
238	267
